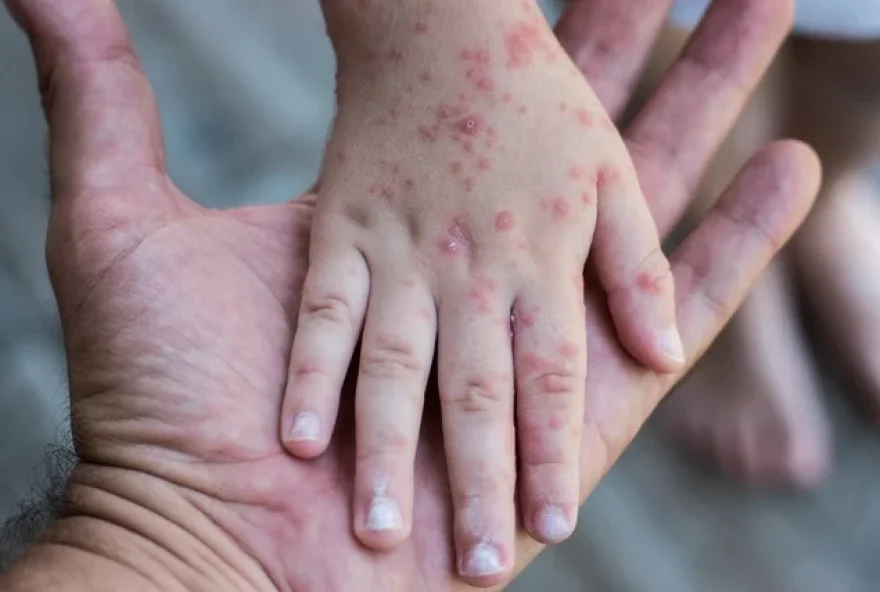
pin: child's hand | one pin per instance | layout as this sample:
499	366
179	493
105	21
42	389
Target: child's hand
467	170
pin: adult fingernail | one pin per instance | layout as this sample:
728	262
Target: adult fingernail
384	514
552	524
673	348
306	428
482	560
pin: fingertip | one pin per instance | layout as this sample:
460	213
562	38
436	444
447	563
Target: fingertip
302	435
382	524
552	524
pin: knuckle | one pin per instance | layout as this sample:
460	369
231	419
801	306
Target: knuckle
475	396
390	357
328	306
550	390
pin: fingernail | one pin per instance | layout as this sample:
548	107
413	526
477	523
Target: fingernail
670	342
384	514
482	560
306	428
552	524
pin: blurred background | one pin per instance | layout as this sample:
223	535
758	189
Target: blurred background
245	90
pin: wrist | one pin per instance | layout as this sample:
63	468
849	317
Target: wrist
122	529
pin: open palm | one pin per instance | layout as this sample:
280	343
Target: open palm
178	320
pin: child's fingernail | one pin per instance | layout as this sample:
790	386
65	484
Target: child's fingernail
306	428
552	524
384	514
670	342
483	559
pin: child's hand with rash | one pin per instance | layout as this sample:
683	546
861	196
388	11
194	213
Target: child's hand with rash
469	170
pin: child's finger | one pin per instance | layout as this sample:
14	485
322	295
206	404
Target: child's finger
331	314
634	272
550	354
396	354
476	393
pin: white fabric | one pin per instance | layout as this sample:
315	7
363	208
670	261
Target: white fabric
859	19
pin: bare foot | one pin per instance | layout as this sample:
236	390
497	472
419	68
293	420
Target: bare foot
837	255
752	404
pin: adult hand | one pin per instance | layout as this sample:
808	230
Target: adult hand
178	320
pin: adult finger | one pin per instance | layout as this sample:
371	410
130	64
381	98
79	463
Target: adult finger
677	133
609	41
103	121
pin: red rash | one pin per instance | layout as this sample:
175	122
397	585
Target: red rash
483	164
504	221
426	76
421	27
563	106
455	168
534	363
522	41
575	173
560	208
472	125
455	240
395	55
586	198
506	97
584	117
524	317
469	184
647	283
568	350
605	177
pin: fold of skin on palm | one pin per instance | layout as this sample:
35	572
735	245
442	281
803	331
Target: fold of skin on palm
178	319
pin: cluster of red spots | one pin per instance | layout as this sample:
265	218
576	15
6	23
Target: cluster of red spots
649	283
524	41
392	182
584	117
481	293
477	68
504	221
456	238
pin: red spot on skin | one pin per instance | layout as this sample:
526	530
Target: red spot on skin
426	76
575	173
524	317
469	184
504	221
560	208
534	363
557	422
395	55
375	189
448	111
462	98
647	283
568	350
471	125
586	198
563	106
455	168
522	110
483	164
480	292
584	117
486	84
428	134
421	27
506	97
605	177
455	240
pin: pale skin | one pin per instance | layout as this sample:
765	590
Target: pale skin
469	168
184	483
